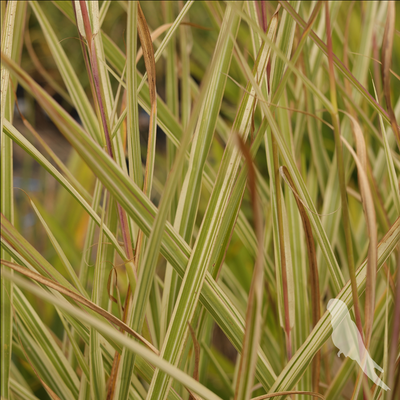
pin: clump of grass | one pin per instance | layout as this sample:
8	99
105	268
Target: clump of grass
229	168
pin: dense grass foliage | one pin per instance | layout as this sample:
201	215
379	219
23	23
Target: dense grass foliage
184	187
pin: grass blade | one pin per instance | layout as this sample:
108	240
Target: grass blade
370	216
244	384
387	46
9	23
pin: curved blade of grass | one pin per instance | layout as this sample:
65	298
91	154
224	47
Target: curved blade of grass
41	364
166	120
123	340
79	299
25	254
368	122
77	325
370	216
145	369
158	32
